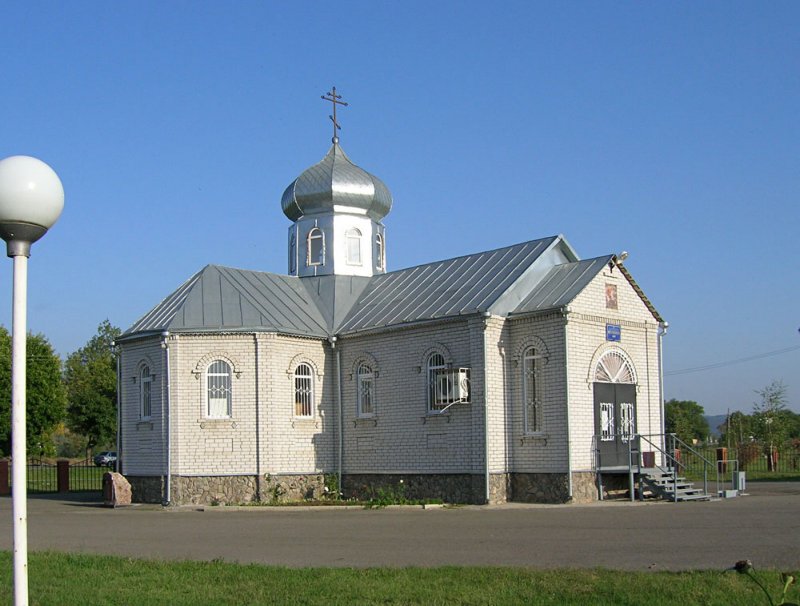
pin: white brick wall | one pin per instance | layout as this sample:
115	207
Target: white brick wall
587	343
263	435
142	441
402	438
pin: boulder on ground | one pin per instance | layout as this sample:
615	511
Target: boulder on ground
116	490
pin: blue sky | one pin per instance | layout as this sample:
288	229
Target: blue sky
669	130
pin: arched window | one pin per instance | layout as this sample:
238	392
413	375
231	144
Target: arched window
366	391
145	384
303	391
218	389
380	259
292	254
353	241
532	389
437	399
316	247
614	367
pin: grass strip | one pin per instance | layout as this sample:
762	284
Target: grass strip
64	579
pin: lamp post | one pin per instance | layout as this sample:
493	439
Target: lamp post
31	200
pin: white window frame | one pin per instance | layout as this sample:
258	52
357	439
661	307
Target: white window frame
352	240
315	234
532	391
434	364
219	384
365	391
380	255
145	393
303	391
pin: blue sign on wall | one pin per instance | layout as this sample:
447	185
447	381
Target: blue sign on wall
613	332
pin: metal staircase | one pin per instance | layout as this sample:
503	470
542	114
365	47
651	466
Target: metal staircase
665	484
654	467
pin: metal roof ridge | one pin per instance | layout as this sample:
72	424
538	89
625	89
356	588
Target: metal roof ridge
483	252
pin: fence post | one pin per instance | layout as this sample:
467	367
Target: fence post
62	475
722	460
4	487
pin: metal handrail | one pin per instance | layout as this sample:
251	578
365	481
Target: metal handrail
668	469
666	445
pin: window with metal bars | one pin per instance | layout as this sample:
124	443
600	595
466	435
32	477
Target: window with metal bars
145	384
366	391
303	391
626	421
607	421
532	389
436	400
218	390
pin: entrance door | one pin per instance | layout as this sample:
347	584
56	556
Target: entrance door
614	421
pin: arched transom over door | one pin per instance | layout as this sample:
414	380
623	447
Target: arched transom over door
614	408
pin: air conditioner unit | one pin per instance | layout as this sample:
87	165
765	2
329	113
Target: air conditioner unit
452	386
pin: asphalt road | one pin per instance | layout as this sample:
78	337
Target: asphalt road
763	527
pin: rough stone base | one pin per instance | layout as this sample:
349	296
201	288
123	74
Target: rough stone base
227	490
450	488
147	489
539	487
275	488
213	490
584	487
500	488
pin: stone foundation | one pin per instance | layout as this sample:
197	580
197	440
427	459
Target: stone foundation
147	489
539	487
227	490
449	488
500	488
584	487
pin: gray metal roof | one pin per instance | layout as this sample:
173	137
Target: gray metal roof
454	287
524	278
336	181
561	285
223	298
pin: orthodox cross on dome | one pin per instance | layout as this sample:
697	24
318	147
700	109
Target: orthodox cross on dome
334	98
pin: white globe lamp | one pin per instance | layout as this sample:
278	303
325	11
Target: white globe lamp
31	201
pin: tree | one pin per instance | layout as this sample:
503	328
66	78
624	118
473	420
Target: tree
686	419
737	430
770	422
91	378
45	399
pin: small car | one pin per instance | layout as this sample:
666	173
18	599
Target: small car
106	458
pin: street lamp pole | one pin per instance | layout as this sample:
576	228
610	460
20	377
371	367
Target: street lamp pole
31	200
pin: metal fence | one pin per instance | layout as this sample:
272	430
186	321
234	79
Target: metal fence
41	476
750	457
85	476
46	476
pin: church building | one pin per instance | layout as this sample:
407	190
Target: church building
514	374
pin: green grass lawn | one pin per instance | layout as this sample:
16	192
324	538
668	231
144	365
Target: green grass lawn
64	579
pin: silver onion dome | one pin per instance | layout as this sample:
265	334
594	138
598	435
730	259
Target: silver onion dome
336	182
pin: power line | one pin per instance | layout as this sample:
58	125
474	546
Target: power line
768	354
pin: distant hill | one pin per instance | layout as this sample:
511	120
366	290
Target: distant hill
714	421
